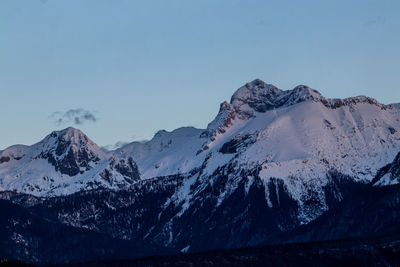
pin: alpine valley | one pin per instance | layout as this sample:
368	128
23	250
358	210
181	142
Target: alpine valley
273	167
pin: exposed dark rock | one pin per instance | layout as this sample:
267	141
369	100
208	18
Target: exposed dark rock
107	176
69	160
66	165
204	148
128	169
328	124
4	159
237	143
227	114
229	147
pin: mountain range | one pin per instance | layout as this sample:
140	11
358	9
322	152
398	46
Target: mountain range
273	167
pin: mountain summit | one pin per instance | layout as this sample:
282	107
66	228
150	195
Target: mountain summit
261	96
70	151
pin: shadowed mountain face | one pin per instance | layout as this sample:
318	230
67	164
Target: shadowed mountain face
372	212
274	166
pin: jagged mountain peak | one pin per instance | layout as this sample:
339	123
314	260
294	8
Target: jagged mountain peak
69	138
255	94
260	96
71	134
303	93
69	131
69	150
57	142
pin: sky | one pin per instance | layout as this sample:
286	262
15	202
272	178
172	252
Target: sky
120	70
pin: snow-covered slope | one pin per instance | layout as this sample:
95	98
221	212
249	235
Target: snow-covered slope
62	163
167	153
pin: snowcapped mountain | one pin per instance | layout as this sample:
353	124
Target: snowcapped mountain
62	163
287	132
295	135
270	162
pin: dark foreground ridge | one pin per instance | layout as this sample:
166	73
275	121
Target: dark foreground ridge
379	251
34	234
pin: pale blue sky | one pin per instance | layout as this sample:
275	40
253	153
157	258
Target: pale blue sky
147	65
